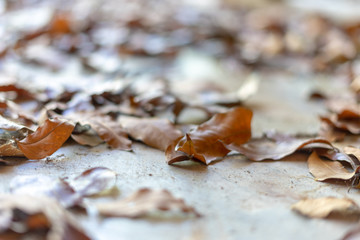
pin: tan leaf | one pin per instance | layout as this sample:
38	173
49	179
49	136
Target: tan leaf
206	143
144	202
327	169
324	207
276	147
46	139
85	135
67	192
93	181
39	216
352	151
157	133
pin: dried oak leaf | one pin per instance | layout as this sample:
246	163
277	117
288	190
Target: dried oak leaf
157	133
67	192
46	139
324	207
276	146
40	217
328	169
210	140
350	125
144	202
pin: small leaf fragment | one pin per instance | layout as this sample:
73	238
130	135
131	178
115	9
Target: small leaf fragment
46	139
324	207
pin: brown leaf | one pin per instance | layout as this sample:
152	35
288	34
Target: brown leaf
144	202
85	135
9	133
207	142
350	125
157	133
276	147
327	169
40	216
46	139
93	181
324	207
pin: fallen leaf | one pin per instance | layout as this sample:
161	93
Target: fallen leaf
67	192
328	169
144	202
41	185
324	207
93	181
350	125
154	132
9	133
85	135
207	142
276	147
22	215
352	151
46	139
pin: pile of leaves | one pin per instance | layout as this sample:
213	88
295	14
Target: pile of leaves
35	121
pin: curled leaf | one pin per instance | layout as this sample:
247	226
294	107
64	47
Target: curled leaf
327	169
46	139
144	202
276	147
209	141
324	207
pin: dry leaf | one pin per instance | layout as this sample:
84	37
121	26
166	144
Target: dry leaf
144	202
67	192
207	142
41	217
9	133
41	185
328	169
324	207
353	151
157	133
46	139
93	181
350	125
276	147
85	135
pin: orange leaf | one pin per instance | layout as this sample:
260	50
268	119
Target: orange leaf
46	139
207	142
